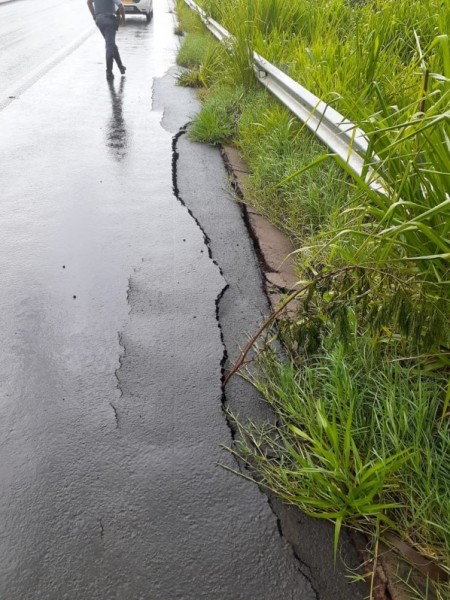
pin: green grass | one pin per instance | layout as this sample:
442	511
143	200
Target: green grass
274	145
202	57
217	121
192	51
358	441
188	20
405	230
338	48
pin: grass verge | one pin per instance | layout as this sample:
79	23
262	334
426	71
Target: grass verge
358	441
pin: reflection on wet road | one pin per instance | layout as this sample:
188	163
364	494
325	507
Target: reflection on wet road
116	133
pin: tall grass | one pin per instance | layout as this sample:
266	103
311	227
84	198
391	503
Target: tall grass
357	442
189	21
384	63
387	65
201	59
220	114
275	144
405	226
338	48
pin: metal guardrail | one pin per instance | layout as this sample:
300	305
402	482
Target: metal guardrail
340	135
214	27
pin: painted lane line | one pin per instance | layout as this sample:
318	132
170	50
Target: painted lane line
18	88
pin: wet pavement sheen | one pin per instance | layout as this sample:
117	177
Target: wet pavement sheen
110	400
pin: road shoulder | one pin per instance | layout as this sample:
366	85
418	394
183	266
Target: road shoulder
241	308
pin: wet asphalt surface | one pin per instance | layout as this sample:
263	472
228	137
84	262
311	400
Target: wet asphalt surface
127	274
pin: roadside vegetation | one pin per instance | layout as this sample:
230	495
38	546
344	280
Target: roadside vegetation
363	403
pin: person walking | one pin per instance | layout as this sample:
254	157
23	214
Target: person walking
104	14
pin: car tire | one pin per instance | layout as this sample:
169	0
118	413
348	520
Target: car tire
149	16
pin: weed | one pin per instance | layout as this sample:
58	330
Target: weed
203	57
192	51
274	145
217	121
188	20
353	433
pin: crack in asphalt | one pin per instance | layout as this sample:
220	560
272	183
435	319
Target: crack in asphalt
265	267
122	356
220	295
176	191
129	291
304	569
116	415
263	264
223	370
102	529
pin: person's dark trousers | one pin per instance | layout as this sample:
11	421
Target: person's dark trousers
108	27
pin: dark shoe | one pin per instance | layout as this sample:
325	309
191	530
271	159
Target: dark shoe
122	70
109	76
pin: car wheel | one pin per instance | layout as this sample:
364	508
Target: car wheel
149	16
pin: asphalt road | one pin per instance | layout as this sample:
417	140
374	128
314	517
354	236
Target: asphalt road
32	33
115	304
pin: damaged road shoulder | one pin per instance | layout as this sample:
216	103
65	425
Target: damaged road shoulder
241	307
201	184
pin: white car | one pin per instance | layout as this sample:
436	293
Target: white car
139	7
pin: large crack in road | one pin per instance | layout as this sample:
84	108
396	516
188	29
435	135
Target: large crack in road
240	309
303	568
176	191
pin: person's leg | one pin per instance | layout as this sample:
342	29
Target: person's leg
110	44
107	26
118	60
